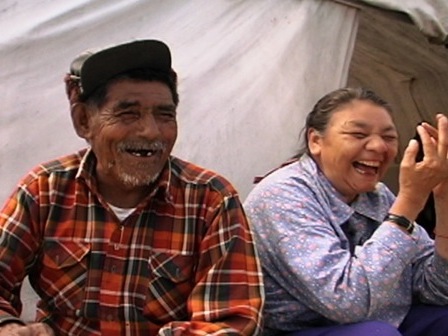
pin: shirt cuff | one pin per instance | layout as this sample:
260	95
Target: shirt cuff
440	264
400	243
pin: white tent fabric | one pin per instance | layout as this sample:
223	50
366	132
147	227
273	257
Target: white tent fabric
249	71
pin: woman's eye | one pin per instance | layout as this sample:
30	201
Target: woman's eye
390	138
359	135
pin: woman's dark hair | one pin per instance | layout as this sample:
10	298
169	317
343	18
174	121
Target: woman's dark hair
334	101
98	97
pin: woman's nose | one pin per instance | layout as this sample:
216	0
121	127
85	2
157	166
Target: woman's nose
377	143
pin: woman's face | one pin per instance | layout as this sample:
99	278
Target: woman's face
357	148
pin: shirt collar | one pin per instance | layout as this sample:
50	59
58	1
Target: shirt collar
366	204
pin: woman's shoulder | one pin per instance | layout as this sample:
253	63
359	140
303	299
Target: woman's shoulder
294	181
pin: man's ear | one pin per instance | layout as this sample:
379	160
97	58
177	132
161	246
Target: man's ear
314	142
82	120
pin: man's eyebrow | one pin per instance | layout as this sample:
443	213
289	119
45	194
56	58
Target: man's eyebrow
167	106
122	105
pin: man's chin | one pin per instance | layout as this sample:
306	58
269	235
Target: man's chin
135	181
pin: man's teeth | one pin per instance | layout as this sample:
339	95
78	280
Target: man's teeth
141	153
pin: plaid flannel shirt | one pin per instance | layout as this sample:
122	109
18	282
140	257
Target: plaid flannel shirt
183	263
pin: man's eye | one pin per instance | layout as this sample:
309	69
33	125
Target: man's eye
127	113
167	114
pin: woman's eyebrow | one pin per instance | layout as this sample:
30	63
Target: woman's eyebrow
364	125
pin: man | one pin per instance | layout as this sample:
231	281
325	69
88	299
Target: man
122	238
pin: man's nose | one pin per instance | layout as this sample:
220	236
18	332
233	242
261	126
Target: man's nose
148	126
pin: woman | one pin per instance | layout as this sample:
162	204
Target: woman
341	254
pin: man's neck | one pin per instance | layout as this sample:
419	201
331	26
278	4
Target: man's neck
123	197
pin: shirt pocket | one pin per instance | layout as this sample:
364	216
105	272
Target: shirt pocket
64	266
61	255
174	267
171	280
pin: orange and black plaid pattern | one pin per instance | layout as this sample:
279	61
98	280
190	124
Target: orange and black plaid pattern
183	263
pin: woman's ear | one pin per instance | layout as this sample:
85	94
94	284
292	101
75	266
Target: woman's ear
82	120
314	142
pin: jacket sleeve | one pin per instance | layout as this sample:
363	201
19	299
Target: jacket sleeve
228	295
18	246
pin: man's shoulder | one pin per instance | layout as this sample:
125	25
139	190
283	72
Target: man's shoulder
66	165
63	163
194	174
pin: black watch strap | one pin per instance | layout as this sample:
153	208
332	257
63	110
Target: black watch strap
400	221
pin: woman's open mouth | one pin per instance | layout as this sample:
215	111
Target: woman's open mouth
367	167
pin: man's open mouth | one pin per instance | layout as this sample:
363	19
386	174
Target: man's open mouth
141	152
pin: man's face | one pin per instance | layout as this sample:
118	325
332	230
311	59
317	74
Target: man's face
133	133
357	148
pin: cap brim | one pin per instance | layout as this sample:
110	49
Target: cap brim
101	66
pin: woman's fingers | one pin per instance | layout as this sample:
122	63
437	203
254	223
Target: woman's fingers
429	146
410	153
432	131
442	143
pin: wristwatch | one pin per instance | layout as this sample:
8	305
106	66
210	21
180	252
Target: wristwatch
400	221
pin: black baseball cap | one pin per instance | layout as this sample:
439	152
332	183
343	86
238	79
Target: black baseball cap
95	68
